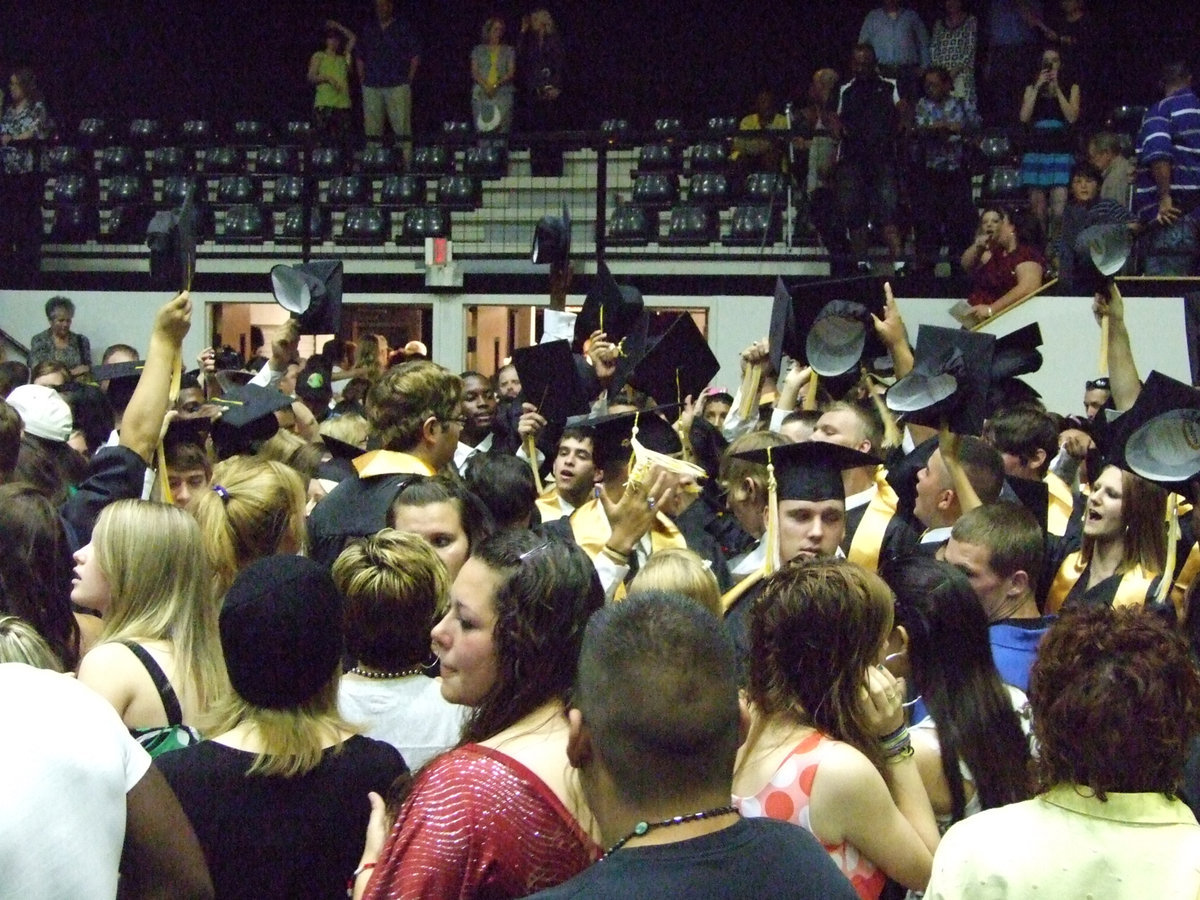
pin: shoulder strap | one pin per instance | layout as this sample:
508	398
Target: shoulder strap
166	693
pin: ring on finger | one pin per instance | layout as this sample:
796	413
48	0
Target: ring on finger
650	502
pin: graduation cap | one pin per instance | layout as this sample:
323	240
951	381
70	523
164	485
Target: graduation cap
228	379
1033	495
1014	354
341	449
549	380
552	239
949	380
678	365
811	470
1158	438
835	309
247	418
617	310
312	293
313	383
129	372
557	325
612	434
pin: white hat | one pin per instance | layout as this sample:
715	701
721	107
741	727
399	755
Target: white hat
43	410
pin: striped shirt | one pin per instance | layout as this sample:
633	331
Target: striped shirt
1170	131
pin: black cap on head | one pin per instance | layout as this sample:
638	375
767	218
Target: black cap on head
549	380
281	631
811	470
678	365
313	383
612	434
312	293
949	380
192	430
1159	437
247	418
618	311
341	449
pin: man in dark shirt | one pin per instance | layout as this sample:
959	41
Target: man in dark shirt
388	57
654	732
868	107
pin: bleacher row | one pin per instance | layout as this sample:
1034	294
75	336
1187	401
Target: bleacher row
253	184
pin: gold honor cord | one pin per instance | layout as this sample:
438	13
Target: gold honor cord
1173	536
771	562
751	382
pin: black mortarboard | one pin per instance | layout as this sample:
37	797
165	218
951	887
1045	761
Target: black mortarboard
811	470
678	365
612	434
341	449
1016	353
123	371
228	379
247	418
838	336
312	293
549	380
949	380
192	430
1158	438
552	239
784	339
617	310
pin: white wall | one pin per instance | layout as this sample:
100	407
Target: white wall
1071	350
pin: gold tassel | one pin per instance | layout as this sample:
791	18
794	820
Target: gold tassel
1173	535
771	562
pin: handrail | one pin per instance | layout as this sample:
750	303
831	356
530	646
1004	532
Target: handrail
4	335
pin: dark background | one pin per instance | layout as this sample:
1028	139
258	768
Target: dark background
227	60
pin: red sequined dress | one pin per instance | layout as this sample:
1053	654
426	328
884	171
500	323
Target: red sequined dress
478	824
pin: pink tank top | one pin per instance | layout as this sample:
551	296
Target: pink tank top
786	797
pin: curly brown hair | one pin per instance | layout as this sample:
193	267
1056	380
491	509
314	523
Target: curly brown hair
815	630
1116	700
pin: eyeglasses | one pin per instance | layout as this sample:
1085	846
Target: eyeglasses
1097	384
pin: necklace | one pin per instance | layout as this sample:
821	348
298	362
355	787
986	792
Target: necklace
383	676
642	827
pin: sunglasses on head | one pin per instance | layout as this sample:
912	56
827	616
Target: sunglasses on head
1097	384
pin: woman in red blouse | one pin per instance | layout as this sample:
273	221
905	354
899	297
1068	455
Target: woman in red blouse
1005	266
498	816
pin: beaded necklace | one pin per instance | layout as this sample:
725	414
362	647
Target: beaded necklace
642	827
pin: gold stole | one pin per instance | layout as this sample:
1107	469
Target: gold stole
867	543
1130	592
590	526
734	594
1062	504
1191	568
390	462
548	506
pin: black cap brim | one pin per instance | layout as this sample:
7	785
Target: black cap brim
608	307
679	365
811	470
312	293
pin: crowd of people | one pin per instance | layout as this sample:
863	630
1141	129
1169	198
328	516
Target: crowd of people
776	641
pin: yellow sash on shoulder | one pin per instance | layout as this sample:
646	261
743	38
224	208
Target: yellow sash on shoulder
867	543
735	593
548	506
1191	568
590	526
1134	586
1062	504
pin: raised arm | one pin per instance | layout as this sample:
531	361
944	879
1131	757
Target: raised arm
142	423
1122	370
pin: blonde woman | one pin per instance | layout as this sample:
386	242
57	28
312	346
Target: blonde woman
680	571
20	643
255	508
159	658
277	797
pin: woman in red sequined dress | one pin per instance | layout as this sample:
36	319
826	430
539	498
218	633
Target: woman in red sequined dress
500	815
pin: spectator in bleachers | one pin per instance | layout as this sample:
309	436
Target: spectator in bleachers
901	44
1011	36
58	342
329	70
760	154
1087	208
1105	153
493	71
943	208
1051	104
868	107
1168	188
389	55
955	38
1011	269
542	64
26	119
1077	35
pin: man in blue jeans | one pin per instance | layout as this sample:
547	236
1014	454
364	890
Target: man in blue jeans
387	64
1168	187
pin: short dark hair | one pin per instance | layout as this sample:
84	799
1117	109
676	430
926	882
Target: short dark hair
984	467
1012	536
504	484
12	374
119	348
1022	431
1084	169
1102	672
10	440
677	733
59	302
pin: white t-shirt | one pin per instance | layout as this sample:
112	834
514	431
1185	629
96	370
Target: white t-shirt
68	762
408	713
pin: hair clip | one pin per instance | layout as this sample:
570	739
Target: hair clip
221	492
528	553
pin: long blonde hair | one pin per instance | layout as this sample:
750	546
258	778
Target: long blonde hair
21	643
254	509
161	585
